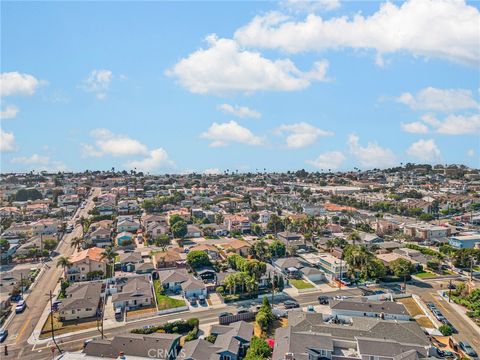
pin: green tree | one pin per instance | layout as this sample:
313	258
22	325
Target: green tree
258	349
277	249
63	262
445	330
4	245
275	224
77	243
179	229
110	255
174	219
197	258
162	241
402	268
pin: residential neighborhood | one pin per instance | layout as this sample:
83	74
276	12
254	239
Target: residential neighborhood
243	259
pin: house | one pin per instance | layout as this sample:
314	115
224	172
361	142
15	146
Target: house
310	336
291	239
172	280
10	212
129	261
423	231
132	293
290	266
214	230
211	250
369	239
232	340
44	227
37	209
465	241
359	308
128	226
193	288
239	247
125	207
333	267
69	199
106	208
238	223
86	264
193	231
124	239
312	274
82	300
100	238
160	346
168	259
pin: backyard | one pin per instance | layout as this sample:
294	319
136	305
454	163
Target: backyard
301	284
165	302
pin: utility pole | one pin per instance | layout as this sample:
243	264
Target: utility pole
21	283
51	323
273	288
450	291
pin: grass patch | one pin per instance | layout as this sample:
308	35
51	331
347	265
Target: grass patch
425	275
165	302
301	284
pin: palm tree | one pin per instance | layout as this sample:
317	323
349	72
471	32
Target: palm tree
230	284
77	243
109	254
64	262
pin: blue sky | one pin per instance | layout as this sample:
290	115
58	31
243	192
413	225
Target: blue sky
208	86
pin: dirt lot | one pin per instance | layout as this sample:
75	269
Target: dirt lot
417	313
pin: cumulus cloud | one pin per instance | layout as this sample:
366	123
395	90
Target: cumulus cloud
415	127
7	141
301	134
425	150
213	171
239	111
9	112
230	132
450	125
328	160
108	143
446	100
392	28
471	152
156	159
39	162
310	6
15	83
372	155
224	67
98	82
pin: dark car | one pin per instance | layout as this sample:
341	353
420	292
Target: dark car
3	335
449	324
16	298
223	314
323	299
291	304
444	353
431	306
467	349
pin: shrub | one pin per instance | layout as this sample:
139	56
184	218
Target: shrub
445	330
192	335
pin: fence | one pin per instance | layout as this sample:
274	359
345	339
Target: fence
226	320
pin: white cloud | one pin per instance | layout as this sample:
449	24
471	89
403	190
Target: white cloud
156	159
301	134
415	127
460	125
15	83
39	162
9	112
98	82
328	160
224	67
372	155
239	111
107	143
435	99
310	6
471	152
7	141
425	150
214	171
448	28
229	132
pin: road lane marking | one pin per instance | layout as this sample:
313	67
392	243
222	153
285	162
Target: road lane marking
22	330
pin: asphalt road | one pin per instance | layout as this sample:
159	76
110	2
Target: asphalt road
428	293
22	325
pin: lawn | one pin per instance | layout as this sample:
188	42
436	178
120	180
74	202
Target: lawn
425	275
301	284
165	302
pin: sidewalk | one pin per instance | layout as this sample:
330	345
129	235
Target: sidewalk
460	311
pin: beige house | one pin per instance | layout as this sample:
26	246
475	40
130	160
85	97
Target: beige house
133	293
81	302
85	262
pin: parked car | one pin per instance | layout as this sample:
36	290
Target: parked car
444	353
118	313
20	307
448	323
3	335
467	349
16	298
202	301
289	304
192	301
223	314
323	299
431	306
310	308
